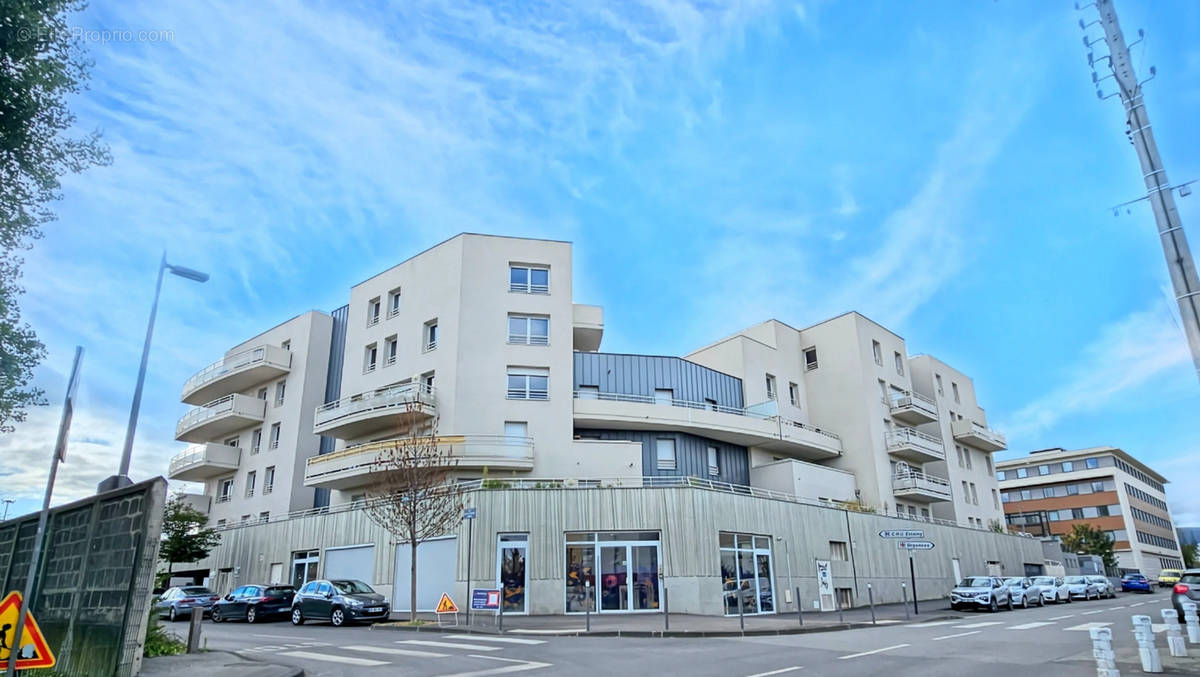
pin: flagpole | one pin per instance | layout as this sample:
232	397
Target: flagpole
60	449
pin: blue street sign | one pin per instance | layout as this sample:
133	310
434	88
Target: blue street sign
483	599
469	514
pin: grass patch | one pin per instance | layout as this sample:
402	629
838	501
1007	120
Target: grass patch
159	640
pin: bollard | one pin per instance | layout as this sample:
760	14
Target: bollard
871	601
1191	621
1144	634
799	608
194	625
1175	643
837	601
500	615
587	590
666	611
1106	665
741	612
904	591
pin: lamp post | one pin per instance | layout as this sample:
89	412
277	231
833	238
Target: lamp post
7	502
121	479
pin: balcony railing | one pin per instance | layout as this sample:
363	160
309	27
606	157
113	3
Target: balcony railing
528	340
199	462
277	359
267	488
903	439
350	466
977	435
408	397
224	498
909	405
915	481
234	406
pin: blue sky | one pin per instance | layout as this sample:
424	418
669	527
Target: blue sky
943	167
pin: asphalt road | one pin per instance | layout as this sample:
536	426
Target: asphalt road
1047	641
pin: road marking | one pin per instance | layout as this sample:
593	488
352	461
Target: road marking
395	652
931	624
276	636
868	653
503	640
564	631
1114	608
780	671
517	666
1030	626
961	634
1092	613
449	645
348	660
1138	604
1084	627
1059	618
984	624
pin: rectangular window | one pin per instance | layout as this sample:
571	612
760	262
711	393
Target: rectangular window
838	551
1043	470
954	388
262	393
264	516
373	308
883	390
877	351
255	441
251	478
427	381
431	335
1026	494
987	458
529	330
231	442
274	435
391	346
245	518
967	455
665	449
714	466
999	475
268	480
974	494
810	359
1022	473
794	394
770	387
1092	463
1067	466
966	492
393	303
280	389
1072	489
286	345
995	500
899	363
370	358
959	450
226	491
588	392
528	383
528	280
665	396
938	379
516	431
220	523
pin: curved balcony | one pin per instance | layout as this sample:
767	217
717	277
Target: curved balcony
370	412
981	437
200	462
920	487
237	372
351	467
913	408
220	417
915	446
728	424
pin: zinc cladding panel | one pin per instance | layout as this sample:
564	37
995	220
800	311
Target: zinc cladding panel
691	454
333	387
642	374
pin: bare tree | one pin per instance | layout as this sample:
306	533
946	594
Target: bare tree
411	494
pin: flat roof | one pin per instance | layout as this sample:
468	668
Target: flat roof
455	237
1041	456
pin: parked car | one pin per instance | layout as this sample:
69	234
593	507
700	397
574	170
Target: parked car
1053	589
1080	586
254	603
1023	592
1135	583
980	592
1168	577
1187	589
179	602
1104	585
338	601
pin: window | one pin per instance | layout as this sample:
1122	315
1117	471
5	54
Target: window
899	363
226	491
528	330
967	455
427	381
999	475
995	499
286	345
1072	489
305	568
370	358
274	435
838	551
516	431
431	335
262	393
810	359
231	442
710	404
528	383
280	389
883	391
666	453
528	280
878	352
966	492
1022	473
373	308
1067	466
268	480
251	478
1026	494
664	396
954	389
588	392
1092	463
987	458
391	345
794	394
714	466
245	518
264	516
393	303
1043	470
959	450
770	387
974	494
255	441
220	523
938	379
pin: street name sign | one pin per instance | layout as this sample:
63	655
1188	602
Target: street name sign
469	514
902	533
915	545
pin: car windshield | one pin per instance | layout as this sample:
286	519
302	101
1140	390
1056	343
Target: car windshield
975	582
1013	582
351	587
1170	572
1075	579
1097	579
1190	578
1044	580
281	590
197	590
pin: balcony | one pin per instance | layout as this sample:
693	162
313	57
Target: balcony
913	408
588	327
201	462
920	487
220	417
352	467
237	372
360	415
915	446
728	424
971	433
198	502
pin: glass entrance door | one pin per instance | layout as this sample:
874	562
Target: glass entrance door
644	591
747	574
614	578
510	553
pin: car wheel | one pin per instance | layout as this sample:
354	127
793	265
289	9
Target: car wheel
1041	601
297	617
1010	604
1025	602
337	617
251	614
172	615
993	607
216	615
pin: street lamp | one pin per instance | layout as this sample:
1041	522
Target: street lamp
7	502
121	479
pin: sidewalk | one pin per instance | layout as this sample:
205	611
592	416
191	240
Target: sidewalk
681	625
215	663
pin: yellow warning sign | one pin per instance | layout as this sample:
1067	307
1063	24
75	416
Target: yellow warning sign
32	651
446	605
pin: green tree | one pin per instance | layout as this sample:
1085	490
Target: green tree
185	538
1086	539
41	64
1191	558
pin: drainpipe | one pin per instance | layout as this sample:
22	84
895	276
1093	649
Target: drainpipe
850	545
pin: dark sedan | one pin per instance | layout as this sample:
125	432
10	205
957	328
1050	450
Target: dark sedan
254	603
1186	590
178	603
1135	583
338	601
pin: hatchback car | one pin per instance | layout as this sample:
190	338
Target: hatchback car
338	601
1169	577
1053	589
1024	593
1104	585
176	603
1135	583
254	603
980	592
1081	587
1186	590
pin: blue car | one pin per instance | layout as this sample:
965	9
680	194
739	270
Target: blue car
1135	583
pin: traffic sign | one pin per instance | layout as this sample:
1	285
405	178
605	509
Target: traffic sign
902	533
32	651
446	605
915	545
483	599
469	514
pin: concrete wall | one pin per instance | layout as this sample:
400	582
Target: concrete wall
807	480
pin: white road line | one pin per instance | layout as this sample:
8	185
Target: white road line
292	637
984	624
1092	613
961	634
1059	618
931	624
331	658
563	631
395	652
868	653
1137	604
1084	627
449	645
1114	608
780	671
503	640
1030	626
517	666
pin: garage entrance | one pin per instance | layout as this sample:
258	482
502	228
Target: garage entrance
437	561
355	561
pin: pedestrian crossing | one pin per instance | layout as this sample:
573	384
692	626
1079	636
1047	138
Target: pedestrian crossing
979	627
407	652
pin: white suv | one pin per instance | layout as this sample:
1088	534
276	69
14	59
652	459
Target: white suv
980	592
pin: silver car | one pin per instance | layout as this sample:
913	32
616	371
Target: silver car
1024	593
981	592
1053	590
1081	587
179	602
1105	586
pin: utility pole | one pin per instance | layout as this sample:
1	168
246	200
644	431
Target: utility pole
1158	190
